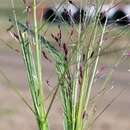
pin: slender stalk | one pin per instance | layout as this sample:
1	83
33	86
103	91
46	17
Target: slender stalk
42	122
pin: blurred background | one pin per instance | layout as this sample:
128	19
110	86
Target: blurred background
14	114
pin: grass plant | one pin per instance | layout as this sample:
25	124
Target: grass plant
76	66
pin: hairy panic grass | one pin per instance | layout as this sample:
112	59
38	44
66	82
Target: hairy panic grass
75	59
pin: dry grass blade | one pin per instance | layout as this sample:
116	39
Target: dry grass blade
110	103
14	88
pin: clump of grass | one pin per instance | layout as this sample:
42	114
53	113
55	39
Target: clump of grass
76	67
